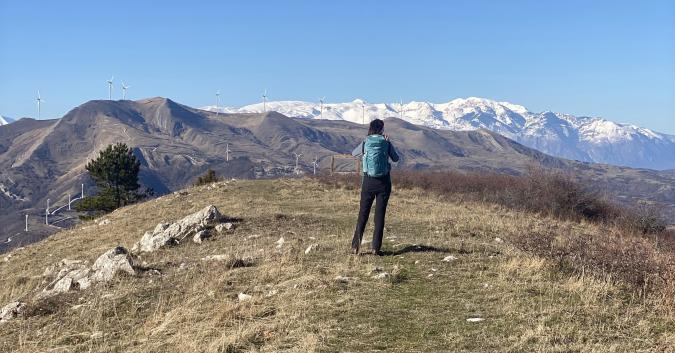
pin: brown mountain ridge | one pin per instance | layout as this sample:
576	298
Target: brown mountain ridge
41	159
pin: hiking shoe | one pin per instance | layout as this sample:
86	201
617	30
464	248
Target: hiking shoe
355	251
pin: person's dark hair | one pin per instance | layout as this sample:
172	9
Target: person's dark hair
376	127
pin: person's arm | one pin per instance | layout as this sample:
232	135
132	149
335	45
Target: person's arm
358	150
392	152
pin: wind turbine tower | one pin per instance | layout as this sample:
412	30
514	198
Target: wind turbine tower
39	101
400	110
363	112
217	101
110	87
264	97
321	101
124	90
297	158
227	152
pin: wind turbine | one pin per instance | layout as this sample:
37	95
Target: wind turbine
322	99
217	100
124	89
363	112
110	86
227	152
39	101
297	158
264	97
400	111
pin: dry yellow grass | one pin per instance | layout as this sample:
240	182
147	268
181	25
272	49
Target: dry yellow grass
297	304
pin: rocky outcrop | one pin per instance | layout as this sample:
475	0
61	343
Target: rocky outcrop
172	233
76	275
69	275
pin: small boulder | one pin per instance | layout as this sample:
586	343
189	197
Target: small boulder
64	264
110	263
242	297
280	242
11	310
215	258
310	248
449	258
382	275
72	274
200	236
224	226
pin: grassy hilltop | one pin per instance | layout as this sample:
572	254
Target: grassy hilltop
511	269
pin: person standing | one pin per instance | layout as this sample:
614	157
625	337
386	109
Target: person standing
375	152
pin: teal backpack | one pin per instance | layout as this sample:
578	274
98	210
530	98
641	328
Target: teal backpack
375	158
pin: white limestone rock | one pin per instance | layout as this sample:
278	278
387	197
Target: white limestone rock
224	226
215	258
11	311
242	297
200	236
310	248
110	263
172	233
280	242
382	275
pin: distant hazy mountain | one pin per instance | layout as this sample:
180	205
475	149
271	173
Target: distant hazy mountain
45	159
4	120
586	139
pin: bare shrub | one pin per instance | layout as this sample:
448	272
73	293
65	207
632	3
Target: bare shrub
209	177
547	193
633	260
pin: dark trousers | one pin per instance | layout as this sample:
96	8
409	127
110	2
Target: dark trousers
372	189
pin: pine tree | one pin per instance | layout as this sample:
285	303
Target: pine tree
115	173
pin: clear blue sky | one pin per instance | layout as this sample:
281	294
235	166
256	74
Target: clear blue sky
614	59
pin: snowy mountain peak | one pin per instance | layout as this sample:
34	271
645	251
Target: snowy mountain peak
4	120
590	139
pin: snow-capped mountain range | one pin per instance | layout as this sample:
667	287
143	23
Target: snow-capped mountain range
589	139
5	120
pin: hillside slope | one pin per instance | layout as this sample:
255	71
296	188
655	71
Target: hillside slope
323	299
41	160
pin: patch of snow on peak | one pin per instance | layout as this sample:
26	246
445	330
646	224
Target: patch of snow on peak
4	120
590	139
